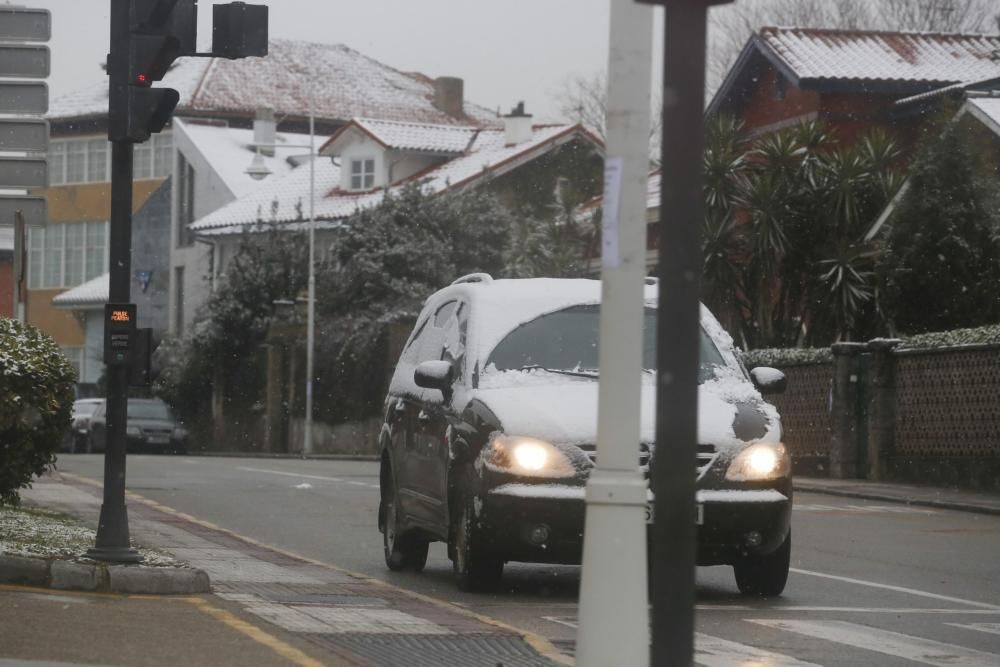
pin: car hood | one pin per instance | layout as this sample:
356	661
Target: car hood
563	409
151	423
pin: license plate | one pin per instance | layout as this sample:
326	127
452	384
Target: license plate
158	439
699	513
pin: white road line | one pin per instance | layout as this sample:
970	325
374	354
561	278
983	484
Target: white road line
898	645
851	610
992	628
873	509
304	476
898	589
714	652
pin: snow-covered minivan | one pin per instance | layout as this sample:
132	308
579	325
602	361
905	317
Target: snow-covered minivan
491	424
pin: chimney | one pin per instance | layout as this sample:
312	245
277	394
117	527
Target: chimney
264	133
448	96
517	126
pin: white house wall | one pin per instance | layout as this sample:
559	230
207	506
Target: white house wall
210	193
93	346
403	165
364	148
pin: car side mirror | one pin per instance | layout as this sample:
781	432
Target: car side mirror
434	375
769	380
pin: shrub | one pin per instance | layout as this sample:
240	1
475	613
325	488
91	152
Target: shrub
36	399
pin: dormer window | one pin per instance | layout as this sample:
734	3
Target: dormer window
362	174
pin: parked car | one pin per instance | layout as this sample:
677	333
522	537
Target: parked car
150	427
83	411
490	434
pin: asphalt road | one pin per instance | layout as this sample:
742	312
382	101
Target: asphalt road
873	583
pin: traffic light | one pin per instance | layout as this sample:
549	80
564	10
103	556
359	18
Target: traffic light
147	42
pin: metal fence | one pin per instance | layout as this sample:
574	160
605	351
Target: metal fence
805	413
948	402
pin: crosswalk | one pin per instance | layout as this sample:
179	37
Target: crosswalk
869	645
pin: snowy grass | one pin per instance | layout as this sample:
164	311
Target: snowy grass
39	533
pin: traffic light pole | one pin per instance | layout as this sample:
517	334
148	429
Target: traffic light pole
674	531
113	543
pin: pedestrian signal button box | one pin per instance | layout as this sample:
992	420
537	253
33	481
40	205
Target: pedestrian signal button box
119	333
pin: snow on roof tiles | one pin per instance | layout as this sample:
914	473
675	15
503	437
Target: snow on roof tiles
418	136
884	56
987	110
230	150
286	200
341	82
91	293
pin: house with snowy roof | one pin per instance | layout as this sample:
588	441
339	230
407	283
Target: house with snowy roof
175	179
369	159
850	79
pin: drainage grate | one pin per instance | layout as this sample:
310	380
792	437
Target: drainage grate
435	651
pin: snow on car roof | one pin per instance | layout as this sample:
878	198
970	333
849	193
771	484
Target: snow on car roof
503	305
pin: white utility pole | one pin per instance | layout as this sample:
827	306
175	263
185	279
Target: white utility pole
307	444
614	613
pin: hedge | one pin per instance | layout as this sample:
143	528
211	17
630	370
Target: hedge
36	401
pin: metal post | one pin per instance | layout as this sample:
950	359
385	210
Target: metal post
673	470
311	291
614	614
20	269
112	530
113	542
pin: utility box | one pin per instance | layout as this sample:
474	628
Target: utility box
119	333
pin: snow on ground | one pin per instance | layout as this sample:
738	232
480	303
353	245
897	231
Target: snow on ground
38	533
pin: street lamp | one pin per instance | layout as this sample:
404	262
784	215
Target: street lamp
258	170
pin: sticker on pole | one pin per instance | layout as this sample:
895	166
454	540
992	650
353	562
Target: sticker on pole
610	247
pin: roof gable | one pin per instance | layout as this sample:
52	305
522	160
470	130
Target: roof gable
403	136
900	63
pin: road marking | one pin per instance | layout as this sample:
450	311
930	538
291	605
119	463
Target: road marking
992	628
304	476
874	509
715	652
898	589
280	647
850	610
918	649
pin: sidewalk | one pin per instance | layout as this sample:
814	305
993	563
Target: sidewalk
342	618
911	494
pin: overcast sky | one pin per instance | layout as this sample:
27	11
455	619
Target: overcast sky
505	51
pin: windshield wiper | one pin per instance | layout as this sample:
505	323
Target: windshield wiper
580	372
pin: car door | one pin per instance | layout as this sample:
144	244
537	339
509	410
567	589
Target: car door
427	419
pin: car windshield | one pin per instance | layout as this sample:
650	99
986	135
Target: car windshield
566	341
148	410
83	409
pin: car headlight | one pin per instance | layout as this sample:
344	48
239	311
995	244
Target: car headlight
761	461
528	456
133	430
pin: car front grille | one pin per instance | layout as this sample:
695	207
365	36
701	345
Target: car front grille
706	454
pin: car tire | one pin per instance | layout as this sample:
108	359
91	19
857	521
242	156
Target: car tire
764	576
402	551
475	567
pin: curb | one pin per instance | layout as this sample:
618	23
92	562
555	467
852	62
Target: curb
919	502
102	578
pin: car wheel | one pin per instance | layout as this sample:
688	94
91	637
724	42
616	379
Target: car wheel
764	576
402	551
475	567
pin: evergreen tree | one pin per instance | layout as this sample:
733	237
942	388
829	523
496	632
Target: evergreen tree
941	264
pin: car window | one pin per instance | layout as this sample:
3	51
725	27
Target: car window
567	340
148	410
455	330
